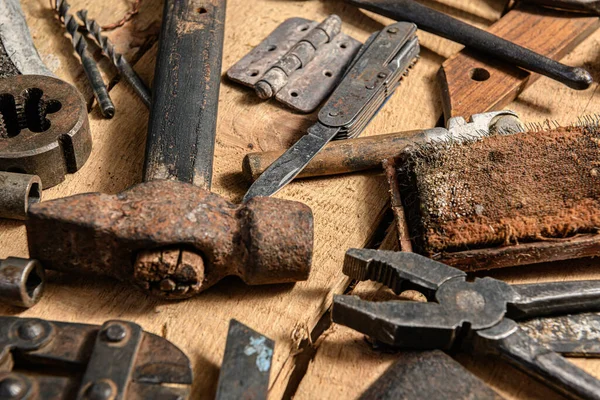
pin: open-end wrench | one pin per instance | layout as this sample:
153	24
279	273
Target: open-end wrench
450	28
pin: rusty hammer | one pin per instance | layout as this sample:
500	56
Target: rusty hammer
170	235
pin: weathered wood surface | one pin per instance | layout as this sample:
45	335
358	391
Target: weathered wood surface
548	32
347	209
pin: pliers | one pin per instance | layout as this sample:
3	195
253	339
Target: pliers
477	317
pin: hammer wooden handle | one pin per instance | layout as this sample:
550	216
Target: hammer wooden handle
341	156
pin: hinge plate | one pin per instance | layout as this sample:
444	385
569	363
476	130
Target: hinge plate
308	86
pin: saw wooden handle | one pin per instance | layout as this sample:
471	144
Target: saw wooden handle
473	84
341	156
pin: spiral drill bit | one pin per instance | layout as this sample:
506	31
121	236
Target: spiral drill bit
117	59
89	65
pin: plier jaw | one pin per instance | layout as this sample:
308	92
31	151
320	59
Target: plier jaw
476	316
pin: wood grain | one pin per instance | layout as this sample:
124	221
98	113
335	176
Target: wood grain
344	364
474	84
347	208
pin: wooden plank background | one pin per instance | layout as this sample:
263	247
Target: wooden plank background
348	209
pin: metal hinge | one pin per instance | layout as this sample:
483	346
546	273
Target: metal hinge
299	63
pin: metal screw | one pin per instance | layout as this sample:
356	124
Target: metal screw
393	30
115	333
334	113
12	388
99	391
31	330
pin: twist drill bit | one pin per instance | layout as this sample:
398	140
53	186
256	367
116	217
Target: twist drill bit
89	65
116	58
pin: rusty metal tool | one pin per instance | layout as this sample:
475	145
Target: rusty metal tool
170	236
18	192
476	316
22	281
373	76
44	127
299	63
474	38
433	374
360	154
88	63
53	360
471	83
586	6
246	364
117	59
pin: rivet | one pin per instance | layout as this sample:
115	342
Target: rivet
11	388
115	333
99	391
334	113
393	30
30	330
382	75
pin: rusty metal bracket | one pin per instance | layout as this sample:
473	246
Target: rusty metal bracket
51	360
299	63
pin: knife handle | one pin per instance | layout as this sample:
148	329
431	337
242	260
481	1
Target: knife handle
473	84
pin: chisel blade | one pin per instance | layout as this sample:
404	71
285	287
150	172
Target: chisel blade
246	364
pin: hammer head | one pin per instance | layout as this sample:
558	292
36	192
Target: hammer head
173	239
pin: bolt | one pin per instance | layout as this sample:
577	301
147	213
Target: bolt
99	391
12	388
31	330
393	30
115	333
334	113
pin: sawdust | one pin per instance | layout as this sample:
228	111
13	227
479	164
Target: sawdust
502	190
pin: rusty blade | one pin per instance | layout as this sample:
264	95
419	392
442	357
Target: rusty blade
575	335
246	364
428	375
